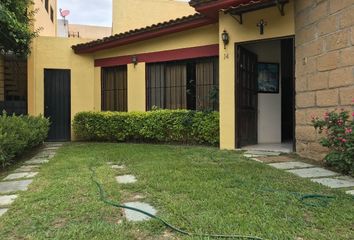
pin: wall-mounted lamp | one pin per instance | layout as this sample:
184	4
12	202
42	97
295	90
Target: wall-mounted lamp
261	24
135	60
225	38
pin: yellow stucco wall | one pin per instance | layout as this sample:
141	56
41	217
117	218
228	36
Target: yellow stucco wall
42	18
136	87
134	14
277	26
202	36
44	55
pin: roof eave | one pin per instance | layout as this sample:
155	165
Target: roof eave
211	9
144	36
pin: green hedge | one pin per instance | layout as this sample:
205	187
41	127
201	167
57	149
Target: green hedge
171	126
19	133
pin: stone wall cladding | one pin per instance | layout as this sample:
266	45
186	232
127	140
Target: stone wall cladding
324	66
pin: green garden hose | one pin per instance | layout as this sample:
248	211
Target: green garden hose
310	200
103	198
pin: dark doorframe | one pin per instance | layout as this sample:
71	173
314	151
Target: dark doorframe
247	97
292	37
57	103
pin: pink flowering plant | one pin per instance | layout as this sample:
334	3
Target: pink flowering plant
338	128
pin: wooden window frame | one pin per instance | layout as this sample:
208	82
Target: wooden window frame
191	87
119	90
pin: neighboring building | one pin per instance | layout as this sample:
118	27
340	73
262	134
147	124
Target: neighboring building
13	70
133	14
302	49
46	17
66	29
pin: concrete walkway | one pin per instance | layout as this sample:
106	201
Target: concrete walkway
314	173
22	177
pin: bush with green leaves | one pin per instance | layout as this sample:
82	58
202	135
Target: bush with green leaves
20	133
169	126
338	128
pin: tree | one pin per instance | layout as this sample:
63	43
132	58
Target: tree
16	32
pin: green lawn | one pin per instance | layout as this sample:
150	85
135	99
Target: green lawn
200	189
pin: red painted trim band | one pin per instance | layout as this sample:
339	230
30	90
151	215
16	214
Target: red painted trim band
163	56
146	35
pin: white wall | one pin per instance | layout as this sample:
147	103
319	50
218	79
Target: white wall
269	105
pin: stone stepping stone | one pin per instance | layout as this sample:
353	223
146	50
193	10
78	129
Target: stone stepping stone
3	211
125	179
14	186
117	167
54	144
7	200
256	159
312	172
275	159
15	176
262	153
51	148
27	168
350	192
134	216
290	165
36	161
334	182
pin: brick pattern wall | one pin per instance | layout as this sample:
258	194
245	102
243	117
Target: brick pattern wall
324	65
2	78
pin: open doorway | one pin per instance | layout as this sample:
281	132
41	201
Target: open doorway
265	105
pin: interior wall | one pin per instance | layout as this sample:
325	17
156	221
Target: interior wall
269	104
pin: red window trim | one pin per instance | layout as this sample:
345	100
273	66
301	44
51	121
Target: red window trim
162	56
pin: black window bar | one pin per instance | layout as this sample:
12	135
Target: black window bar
191	84
114	90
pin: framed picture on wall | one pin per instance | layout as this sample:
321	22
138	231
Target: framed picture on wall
268	77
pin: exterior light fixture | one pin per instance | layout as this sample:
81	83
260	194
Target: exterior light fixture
225	38
135	60
261	24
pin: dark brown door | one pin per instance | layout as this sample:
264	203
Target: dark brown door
246	97
57	103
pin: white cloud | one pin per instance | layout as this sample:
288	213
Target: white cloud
89	12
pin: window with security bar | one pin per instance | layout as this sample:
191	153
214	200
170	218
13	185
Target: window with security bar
191	84
114	89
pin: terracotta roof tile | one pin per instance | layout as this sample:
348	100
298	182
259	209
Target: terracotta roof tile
154	27
195	3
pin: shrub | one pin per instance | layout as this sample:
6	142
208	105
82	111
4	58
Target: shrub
339	138
171	126
19	133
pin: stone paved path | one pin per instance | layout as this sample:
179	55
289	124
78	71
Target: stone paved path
314	173
21	178
130	215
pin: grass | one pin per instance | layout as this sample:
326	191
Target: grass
197	188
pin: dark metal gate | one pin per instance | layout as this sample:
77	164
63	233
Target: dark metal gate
57	103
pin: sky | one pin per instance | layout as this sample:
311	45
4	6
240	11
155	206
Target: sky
89	12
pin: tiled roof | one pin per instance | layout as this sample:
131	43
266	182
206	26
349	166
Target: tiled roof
194	3
152	28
